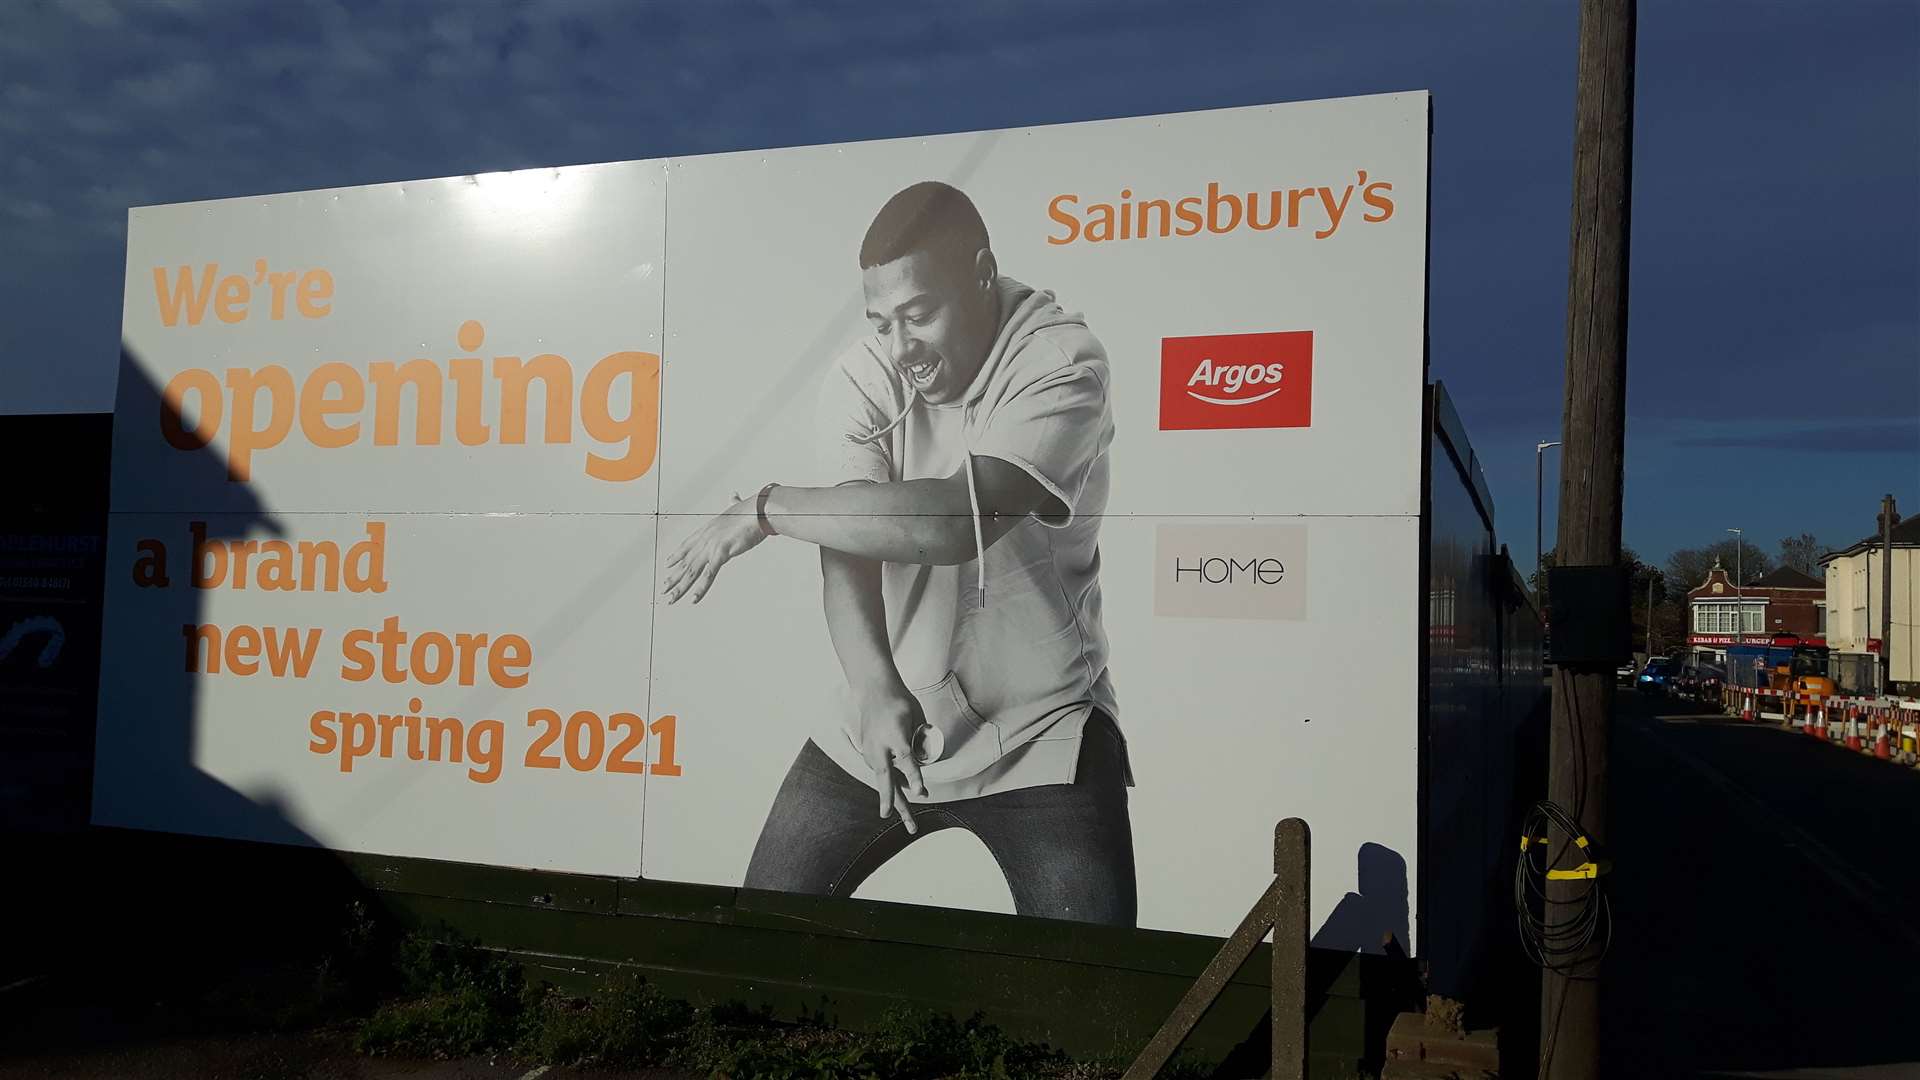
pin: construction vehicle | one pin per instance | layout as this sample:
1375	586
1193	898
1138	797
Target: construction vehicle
1794	666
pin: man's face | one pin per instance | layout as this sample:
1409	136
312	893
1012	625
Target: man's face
936	318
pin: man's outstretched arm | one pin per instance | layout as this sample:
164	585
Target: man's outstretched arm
888	717
910	521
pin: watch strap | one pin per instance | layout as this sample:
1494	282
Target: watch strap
760	510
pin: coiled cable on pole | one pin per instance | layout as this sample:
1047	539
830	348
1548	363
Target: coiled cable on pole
1561	945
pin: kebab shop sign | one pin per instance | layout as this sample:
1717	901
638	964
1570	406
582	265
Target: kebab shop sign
392	653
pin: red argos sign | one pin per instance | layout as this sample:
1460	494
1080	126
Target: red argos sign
1236	381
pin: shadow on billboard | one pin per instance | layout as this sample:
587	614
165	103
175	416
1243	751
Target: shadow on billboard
1364	920
165	772
108	927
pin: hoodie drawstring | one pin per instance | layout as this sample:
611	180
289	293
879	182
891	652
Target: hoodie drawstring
979	543
877	434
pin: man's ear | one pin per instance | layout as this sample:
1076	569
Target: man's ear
986	270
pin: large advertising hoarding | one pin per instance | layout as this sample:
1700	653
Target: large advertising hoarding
1021	520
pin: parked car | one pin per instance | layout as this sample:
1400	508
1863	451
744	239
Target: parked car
1657	677
1699	681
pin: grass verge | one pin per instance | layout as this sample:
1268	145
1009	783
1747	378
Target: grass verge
458	1000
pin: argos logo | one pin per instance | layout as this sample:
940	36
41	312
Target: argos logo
1236	381
1231	377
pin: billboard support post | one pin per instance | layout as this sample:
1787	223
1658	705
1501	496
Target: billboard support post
1292	872
1282	909
1590	492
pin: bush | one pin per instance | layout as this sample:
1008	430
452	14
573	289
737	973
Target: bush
908	1044
920	1043
462	999
356	967
455	1023
626	1022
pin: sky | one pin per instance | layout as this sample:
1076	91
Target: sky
1774	343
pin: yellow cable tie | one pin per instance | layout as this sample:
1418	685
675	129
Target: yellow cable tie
1584	871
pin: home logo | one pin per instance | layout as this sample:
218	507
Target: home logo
1230	571
1236	381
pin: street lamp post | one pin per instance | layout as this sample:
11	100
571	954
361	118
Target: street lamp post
1739	600
1650	576
1539	553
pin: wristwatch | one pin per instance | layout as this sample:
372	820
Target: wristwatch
760	510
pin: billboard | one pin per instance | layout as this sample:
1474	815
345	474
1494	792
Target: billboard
1021	520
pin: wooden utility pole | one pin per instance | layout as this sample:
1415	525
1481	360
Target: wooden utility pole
1594	430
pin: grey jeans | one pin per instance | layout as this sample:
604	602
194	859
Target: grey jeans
1066	850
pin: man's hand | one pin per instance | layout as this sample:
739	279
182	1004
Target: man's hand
697	560
889	720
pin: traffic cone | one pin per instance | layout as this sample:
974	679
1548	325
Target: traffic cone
1853	728
1880	748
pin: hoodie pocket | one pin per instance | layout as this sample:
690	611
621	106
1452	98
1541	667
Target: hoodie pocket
956	742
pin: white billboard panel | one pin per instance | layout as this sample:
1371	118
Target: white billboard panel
1056	489
465	345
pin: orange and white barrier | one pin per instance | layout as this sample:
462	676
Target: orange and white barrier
1887	728
1756	703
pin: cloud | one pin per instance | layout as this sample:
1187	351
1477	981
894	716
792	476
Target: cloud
29	210
95	14
1748	274
1866	437
170	88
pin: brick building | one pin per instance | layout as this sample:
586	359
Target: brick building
1785	601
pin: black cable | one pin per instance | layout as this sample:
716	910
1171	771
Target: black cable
1560	945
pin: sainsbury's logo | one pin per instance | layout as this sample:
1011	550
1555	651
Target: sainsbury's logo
1236	381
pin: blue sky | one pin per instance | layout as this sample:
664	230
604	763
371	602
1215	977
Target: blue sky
1774	360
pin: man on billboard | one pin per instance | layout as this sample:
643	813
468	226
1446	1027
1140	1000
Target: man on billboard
966	441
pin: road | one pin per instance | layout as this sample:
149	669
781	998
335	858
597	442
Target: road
1764	897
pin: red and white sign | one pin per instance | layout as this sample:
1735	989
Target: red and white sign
1236	381
1771	641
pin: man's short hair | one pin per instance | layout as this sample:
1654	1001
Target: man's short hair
929	216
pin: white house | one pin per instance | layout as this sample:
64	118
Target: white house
1855	577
